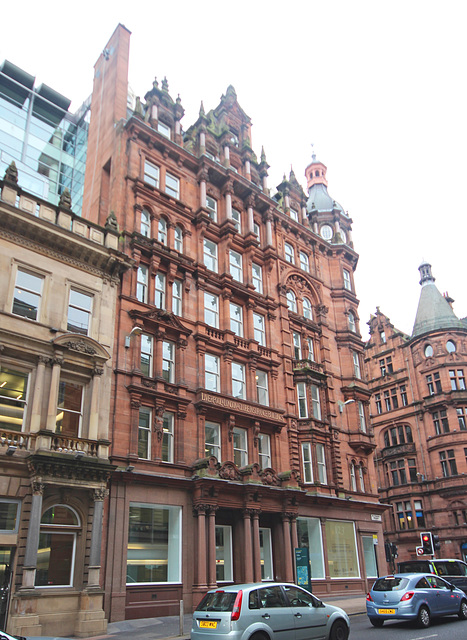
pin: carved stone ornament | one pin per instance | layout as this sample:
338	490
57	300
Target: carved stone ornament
11	173
100	494
229	471
65	199
80	346
37	487
269	477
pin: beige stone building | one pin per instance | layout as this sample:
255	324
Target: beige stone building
59	279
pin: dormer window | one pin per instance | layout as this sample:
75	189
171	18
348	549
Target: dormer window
234	139
164	129
294	214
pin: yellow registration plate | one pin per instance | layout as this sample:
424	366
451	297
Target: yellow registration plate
208	624
386	611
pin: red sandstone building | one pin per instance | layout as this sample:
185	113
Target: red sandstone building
419	414
240	424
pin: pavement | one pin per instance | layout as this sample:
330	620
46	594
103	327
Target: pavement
169	628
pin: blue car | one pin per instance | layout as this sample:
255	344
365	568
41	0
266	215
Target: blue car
416	597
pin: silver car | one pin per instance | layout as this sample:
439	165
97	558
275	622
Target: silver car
417	597
267	611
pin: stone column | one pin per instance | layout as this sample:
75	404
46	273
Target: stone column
200	511
53	394
251	220
288	568
227	155
202	142
247	557
96	538
35	424
228	190
135	404
202	179
269	229
256	548
32	542
93	433
304	216
212	582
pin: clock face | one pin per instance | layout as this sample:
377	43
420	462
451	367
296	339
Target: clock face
326	231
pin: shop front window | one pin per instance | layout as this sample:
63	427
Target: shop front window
309	536
342	549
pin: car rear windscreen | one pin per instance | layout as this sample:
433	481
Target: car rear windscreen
217	601
390	584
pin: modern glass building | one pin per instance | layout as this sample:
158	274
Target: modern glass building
47	143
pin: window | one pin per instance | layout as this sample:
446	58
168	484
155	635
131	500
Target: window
450	346
356	364
397	435
142	284
28	294
448	463
289	253
382	337
210	255
297	346
420	518
211	373
154	544
311	349
315	402
172	185
387	400
256	231
168	361
167	437
236	268
294	214
237	220
307	463
262	392
304	262
353	479
398	472
361	416
151	174
265	553
257	277
177	289
146	355
79	312
291	301
236	319
145	228
211	206
13	398
440	421
307	309
159	294
433	383
163	129
403	393
212	446
224	563
462	417
321	460
457	379
302	400
395	402
326	232
259	329
379	408
162	231
428	351
385	365
351	322
264	450
404	515
144	433
309	535
211	310
238	380
347	280
361	481
240	447
9	515
69	409
342	549
57	547
412	464
178	238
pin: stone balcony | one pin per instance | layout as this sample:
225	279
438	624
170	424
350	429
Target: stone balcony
13	441
398	450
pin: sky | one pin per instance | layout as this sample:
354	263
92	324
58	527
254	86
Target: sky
377	87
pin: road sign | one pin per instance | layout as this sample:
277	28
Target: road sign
419	551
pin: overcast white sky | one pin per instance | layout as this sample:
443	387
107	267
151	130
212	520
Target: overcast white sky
378	87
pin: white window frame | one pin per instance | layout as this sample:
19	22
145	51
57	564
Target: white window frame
236	265
178	238
291	301
361	415
160	290
214	447
316	402
210	255
211	374
87	312
164	129
262	389
240	446
352	322
259	328
145	223
304	262
209	310
168	422
172	185
361	478
142	283
356	365
307	461
321	461
162	231
238	380
236	325
237	220
168	361
211	206
146	430
257	277
311	350
37	293
264	450
177	297
302	401
151	174
289	253
297	345
293	214
148	353
307	308
347	280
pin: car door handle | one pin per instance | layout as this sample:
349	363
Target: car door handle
298	614
266	615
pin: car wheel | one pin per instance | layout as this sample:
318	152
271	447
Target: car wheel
377	622
339	631
463	610
423	618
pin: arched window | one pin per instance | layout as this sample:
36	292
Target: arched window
178	238
450	346
351	321
307	309
162	231
145	228
57	547
291	301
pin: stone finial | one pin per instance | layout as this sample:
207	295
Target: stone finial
11	173
65	199
263	155
202	112
178	100
111	222
155	84
292	174
165	85
139	107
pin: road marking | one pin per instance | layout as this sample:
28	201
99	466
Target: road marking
433	635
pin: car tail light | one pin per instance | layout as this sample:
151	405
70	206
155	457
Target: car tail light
407	596
237	606
368	597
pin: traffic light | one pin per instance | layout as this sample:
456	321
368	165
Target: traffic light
426	540
394	550
436	542
387	550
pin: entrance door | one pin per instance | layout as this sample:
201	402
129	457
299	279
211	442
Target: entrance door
6	563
